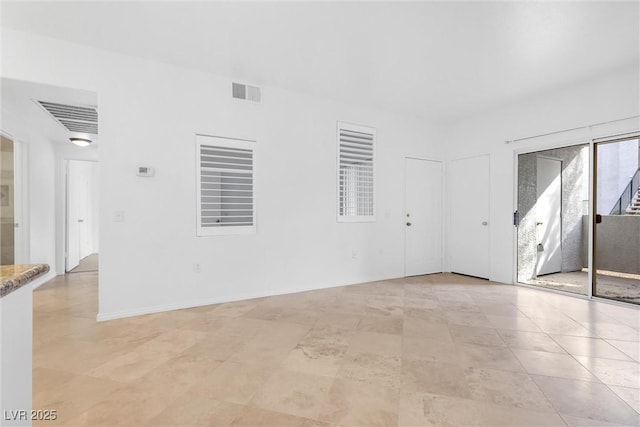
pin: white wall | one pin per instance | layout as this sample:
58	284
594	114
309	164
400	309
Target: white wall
149	115
610	97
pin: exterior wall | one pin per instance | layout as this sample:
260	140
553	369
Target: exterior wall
617	243
617	162
575	184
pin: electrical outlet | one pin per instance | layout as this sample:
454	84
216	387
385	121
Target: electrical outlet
354	254
196	268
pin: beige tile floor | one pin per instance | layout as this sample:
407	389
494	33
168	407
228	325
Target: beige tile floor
433	350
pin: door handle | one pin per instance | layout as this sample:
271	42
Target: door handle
485	223
408	224
81	220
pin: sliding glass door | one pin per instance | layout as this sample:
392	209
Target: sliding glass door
558	242
617	224
553	218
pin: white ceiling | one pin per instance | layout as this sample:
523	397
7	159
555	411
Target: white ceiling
440	60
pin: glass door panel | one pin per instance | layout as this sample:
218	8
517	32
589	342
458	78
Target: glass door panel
617	229
552	217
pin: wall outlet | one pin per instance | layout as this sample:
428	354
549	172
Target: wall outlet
196	268
354	254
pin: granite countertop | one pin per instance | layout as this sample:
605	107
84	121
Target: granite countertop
13	277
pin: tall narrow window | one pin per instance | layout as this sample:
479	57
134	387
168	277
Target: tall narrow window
225	169
356	148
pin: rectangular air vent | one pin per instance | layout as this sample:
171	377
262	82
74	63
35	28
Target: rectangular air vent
246	92
74	118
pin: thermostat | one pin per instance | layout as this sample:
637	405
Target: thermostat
145	171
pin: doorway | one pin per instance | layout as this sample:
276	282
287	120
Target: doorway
469	189
423	216
7	205
82	216
553	198
13	238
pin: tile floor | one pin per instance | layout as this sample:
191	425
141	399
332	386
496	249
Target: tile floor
433	350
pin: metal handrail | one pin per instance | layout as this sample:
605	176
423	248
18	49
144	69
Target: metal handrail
627	195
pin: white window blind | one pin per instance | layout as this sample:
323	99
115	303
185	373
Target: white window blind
226	199
356	191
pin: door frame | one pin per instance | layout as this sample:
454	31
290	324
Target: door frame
22	252
544	147
404	209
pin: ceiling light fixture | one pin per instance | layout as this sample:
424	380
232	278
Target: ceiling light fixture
81	142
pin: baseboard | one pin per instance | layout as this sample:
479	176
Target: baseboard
35	284
217	300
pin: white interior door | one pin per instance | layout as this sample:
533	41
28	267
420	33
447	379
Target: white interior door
423	217
469	191
549	216
74	196
84	215
81	211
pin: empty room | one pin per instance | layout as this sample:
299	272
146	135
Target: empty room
351	213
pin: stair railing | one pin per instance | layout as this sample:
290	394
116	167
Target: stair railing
627	195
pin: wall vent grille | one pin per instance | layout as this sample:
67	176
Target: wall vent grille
74	118
246	92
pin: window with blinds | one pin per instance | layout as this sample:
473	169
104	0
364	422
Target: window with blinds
226	202
356	148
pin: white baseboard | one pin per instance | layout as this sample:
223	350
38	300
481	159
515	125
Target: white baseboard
43	279
217	300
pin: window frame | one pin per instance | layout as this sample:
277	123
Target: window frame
361	129
232	143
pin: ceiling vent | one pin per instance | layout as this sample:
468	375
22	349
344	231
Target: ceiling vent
74	118
246	92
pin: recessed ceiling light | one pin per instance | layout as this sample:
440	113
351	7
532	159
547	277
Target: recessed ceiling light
81	142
